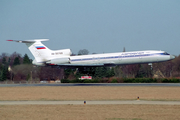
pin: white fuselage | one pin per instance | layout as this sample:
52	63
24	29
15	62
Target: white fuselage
119	58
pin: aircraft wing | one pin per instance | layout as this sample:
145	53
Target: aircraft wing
84	65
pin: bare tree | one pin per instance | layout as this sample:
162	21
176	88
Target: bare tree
83	52
176	67
13	56
22	72
50	73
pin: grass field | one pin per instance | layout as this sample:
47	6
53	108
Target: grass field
89	93
89	112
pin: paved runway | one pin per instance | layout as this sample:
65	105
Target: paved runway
132	102
93	84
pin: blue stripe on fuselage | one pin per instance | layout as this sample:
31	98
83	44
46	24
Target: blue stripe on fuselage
114	57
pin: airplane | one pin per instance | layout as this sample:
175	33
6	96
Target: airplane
46	57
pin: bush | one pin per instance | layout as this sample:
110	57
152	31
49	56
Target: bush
120	80
103	80
158	80
127	80
124	80
164	80
87	81
139	80
114	81
64	81
91	81
76	81
95	81
173	80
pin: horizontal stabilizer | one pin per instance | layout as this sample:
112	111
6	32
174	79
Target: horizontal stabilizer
29	41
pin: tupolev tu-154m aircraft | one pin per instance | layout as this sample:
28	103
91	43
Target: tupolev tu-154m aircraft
46	57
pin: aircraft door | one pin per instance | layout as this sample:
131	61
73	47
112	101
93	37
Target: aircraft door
96	60
119	59
140	59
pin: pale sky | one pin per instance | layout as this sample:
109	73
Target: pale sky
100	26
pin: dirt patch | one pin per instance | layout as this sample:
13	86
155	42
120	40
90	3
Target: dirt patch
89	93
90	112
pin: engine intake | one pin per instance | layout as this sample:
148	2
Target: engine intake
59	61
38	63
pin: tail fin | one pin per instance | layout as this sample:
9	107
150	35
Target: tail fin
40	52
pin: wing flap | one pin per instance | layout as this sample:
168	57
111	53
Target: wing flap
79	65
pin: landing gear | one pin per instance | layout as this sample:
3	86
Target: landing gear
151	65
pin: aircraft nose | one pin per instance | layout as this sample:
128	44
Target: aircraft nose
172	57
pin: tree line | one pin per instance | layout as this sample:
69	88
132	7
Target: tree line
16	67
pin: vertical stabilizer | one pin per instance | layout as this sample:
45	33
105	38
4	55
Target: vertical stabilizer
40	52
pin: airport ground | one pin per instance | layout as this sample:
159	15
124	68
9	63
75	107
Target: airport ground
90	112
89	93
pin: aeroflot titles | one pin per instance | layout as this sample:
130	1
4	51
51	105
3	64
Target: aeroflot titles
134	53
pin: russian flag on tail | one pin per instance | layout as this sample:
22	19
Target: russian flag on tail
40	47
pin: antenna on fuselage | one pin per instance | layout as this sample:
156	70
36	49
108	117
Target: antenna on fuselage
124	50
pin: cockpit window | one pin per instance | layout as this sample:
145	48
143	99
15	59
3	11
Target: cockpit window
166	53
